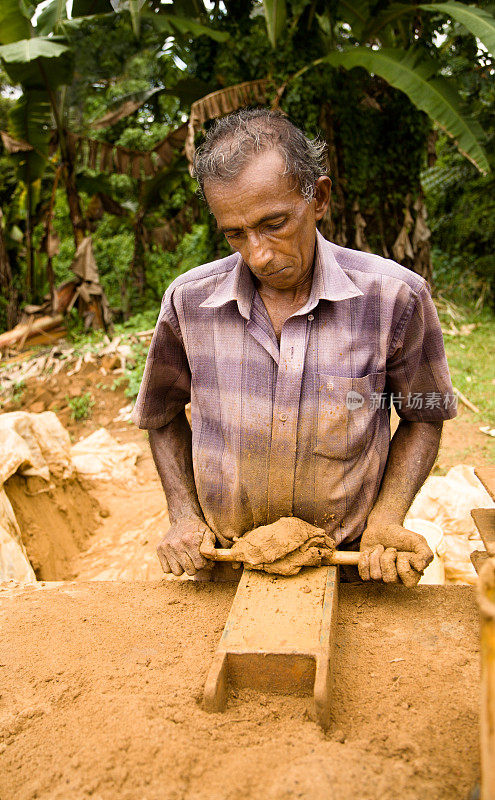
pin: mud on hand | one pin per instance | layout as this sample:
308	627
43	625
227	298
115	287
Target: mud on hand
391	553
178	550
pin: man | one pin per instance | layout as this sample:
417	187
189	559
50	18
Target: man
289	351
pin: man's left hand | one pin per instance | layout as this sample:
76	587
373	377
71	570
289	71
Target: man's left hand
390	553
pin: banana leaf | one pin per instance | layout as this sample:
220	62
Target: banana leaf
275	16
416	75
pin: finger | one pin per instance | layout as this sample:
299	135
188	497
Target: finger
186	563
174	564
364	565
207	546
388	565
196	558
409	576
163	559
422	556
375	555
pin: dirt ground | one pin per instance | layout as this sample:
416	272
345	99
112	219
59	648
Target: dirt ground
102	686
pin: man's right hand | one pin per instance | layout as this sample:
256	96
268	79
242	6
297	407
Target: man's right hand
178	551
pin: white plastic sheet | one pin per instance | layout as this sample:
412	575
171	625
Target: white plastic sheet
33	444
447	501
100	457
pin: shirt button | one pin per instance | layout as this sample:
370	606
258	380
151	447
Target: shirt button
283	417
311	317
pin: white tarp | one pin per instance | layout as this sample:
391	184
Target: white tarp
100	457
34	444
447	501
14	563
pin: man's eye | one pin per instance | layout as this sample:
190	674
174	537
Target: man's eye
275	226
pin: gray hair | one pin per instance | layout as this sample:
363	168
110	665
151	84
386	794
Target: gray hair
233	140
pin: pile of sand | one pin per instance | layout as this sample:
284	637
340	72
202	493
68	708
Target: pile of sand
102	686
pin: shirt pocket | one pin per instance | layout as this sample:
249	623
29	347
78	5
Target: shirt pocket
348	412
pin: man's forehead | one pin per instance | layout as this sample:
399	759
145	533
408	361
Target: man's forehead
262	189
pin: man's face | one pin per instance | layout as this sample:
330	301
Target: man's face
265	218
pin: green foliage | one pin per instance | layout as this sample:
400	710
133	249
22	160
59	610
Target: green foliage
113	245
275	14
162	268
478	21
134	370
470	358
414	74
143	321
462	214
377	137
461	203
81	406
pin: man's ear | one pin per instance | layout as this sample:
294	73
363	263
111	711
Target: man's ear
323	190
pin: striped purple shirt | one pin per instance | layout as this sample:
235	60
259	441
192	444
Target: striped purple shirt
302	427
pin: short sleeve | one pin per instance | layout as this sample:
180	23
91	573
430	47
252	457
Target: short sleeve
166	385
418	377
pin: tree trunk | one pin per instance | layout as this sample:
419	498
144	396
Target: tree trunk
29	246
6	281
48	230
138	273
137	266
334	224
67	151
69	171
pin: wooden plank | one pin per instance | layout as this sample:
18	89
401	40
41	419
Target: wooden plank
486	600
9	338
478	558
484	519
487	477
323	677
278	638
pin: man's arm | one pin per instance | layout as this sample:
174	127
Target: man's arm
389	551
171	447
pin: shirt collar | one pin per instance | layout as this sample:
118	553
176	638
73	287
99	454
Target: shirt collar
330	282
235	285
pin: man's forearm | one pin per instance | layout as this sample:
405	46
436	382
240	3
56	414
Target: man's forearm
412	453
171	447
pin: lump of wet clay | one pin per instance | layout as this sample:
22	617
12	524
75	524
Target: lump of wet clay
283	547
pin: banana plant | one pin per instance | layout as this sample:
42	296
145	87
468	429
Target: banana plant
40	61
38	56
409	69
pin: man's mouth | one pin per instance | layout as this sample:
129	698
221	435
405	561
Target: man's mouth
275	272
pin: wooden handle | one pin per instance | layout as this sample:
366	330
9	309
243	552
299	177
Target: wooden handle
338	556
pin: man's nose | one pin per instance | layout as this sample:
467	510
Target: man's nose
258	255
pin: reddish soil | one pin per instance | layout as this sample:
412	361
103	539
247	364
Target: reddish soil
56	522
55	393
102	686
